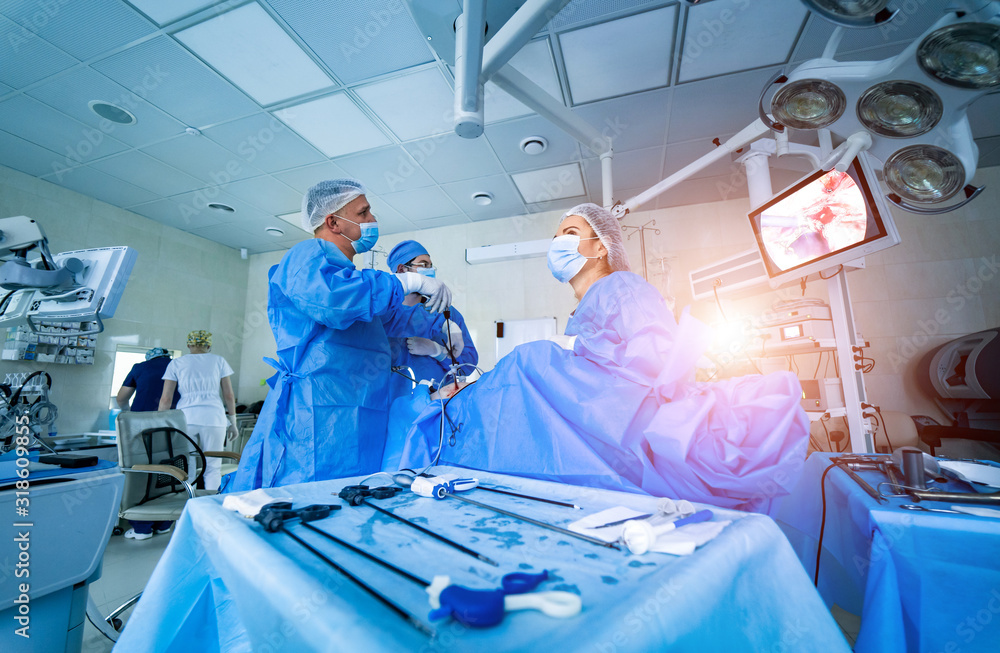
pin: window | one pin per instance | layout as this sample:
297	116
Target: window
125	357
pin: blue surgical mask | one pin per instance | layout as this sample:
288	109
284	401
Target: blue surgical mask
369	235
565	259
427	272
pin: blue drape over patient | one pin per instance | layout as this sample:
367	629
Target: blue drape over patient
621	410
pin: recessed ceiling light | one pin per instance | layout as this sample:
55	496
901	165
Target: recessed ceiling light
274	231
482	199
217	206
534	145
112	112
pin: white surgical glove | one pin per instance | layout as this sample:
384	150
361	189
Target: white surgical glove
438	295
232	432
457	341
425	347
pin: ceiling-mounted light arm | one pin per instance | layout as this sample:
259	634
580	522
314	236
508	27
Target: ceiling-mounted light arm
470	31
971	193
516	32
778	78
845	14
855	144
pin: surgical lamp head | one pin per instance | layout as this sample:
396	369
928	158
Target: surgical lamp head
328	197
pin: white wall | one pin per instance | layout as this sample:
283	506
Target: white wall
179	283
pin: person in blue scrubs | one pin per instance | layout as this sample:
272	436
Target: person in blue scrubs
620	408
325	414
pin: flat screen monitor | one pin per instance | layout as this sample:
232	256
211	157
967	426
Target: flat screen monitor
826	219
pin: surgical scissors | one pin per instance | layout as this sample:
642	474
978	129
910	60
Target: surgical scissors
910	506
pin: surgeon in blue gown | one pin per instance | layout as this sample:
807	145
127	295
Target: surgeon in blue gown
620	409
325	414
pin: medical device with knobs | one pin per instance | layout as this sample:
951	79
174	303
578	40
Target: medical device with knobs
640	536
439	487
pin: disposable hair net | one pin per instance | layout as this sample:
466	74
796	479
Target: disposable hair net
328	197
608	230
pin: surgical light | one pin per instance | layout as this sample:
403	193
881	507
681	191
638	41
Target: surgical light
966	55
851	13
899	109
924	173
808	104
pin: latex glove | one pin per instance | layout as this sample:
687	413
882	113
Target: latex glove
457	340
232	432
425	347
438	295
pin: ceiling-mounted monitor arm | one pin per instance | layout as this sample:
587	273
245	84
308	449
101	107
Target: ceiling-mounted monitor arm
971	193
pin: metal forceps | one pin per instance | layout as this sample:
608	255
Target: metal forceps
910	506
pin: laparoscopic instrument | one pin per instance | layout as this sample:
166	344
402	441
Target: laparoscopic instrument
357	495
664	507
405	480
910	506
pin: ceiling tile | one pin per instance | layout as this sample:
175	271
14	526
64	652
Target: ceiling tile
628	170
555	205
389	220
583	11
506	140
195	212
549	184
146	172
83	29
334	124
302	179
535	62
166	75
421	203
715	106
26	57
257	226
256	54
27	157
716	36
4	90
72	93
428	107
989	151
168	12
264	141
294	219
202	159
449	157
266	193
905	28
700	191
446	221
983	116
75	142
164	211
506	199
632	123
235	238
386	170
621	56
106	188
682	154
357	40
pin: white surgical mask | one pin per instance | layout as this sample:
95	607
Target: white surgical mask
565	259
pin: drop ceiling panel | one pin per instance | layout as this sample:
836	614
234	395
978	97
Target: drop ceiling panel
164	211
106	188
167	12
450	157
633	123
4	90
195	212
301	179
74	142
334	124
556	205
266	193
628	170
72	93
389	220
421	203
715	106
446	221
989	151
146	172
984	116
265	142
412	106
357	40
582	11
535	62
294	219
547	184
27	58
385	170
29	158
256	54
235	238
171	78
906	27
506	200
682	154
621	56
202	159
506	137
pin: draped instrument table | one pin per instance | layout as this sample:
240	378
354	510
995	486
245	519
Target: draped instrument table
225	584
921	581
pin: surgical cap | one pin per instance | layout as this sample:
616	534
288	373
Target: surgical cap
403	253
156	352
328	197
200	338
608	231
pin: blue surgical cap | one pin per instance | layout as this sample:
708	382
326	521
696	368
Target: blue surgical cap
156	352
403	253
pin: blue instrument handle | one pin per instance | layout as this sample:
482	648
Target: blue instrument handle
521	582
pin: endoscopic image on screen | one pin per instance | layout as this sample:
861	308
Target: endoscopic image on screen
826	215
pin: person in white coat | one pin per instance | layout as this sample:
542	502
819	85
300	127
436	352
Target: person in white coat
207	399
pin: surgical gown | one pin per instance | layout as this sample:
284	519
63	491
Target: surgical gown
325	415
621	411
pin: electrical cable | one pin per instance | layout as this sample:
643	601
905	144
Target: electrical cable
829	442
715	290
839	270
885	428
818	361
822	523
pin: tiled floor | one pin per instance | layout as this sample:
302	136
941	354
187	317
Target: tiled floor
128	564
